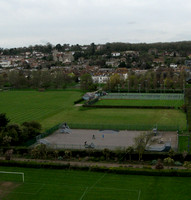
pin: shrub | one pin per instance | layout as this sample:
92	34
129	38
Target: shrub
60	158
8	154
159	165
187	165
168	161
153	162
177	163
171	153
39	151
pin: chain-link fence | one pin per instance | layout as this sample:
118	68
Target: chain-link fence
136	127
75	146
43	135
141	96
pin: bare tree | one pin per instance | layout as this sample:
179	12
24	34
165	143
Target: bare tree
142	141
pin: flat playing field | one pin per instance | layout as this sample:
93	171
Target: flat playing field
136	102
43	184
53	107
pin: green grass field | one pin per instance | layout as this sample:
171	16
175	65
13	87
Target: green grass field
184	143
53	107
43	184
135	102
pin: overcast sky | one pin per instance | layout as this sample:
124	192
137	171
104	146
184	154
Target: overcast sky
30	22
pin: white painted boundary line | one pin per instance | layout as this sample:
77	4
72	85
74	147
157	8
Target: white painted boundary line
97	181
91	186
84	193
20	173
139	195
119	189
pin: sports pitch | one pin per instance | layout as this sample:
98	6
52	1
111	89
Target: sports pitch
53	107
43	184
136	102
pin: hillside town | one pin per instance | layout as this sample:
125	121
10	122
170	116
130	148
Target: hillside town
99	61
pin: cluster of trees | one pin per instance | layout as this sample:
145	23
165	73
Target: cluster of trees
14	134
37	79
86	83
184	48
39	48
160	80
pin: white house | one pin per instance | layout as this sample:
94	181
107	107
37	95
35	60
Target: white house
5	63
100	78
115	54
173	65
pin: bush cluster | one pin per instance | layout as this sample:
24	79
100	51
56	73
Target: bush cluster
14	134
95	155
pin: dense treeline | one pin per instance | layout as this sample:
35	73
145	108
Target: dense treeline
159	80
184	48
37	79
39	48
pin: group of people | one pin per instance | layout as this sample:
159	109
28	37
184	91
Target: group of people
93	138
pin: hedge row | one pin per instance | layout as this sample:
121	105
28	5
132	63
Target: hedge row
116	170
97	154
148	107
78	101
90	102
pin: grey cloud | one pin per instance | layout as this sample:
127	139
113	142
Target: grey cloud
25	22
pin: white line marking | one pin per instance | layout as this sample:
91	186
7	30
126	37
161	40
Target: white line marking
88	189
117	189
97	181
139	195
83	194
39	189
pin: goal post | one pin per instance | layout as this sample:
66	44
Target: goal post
18	173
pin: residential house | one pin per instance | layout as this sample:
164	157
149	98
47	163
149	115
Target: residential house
122	72
153	51
65	58
131	54
100	78
5	63
113	62
115	54
188	63
172	65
